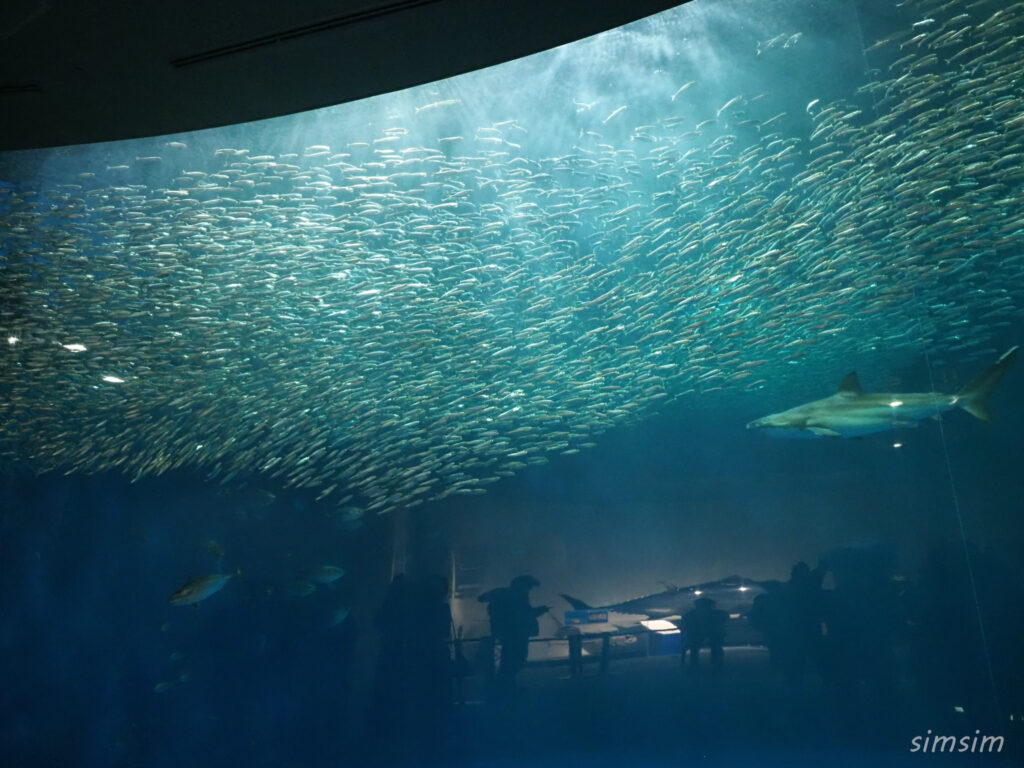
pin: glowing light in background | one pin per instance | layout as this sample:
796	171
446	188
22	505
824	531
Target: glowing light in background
661	626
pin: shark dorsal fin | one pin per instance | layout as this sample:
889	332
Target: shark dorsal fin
850	385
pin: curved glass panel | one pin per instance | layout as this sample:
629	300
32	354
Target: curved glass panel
373	386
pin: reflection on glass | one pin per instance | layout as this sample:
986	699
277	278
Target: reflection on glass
509	328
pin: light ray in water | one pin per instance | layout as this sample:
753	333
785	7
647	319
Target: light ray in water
417	304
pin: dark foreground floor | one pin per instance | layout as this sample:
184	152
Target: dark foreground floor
649	711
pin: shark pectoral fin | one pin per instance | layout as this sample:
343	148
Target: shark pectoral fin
823	432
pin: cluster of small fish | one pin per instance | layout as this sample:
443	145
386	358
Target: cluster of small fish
178	672
195	591
392	322
323	575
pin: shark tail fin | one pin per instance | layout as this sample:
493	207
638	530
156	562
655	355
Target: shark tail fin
576	603
974	397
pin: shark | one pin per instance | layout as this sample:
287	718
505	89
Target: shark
734	593
852	412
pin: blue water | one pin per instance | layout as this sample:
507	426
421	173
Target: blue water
89	564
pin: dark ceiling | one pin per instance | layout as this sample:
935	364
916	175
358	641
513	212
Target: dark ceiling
74	72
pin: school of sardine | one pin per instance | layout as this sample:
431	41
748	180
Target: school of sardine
391	322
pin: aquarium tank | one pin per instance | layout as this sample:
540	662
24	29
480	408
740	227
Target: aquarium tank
453	426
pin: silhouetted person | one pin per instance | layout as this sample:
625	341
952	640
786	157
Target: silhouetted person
430	658
413	683
429	666
766	617
865	619
392	653
962	589
461	667
513	623
799	622
575	637
945	637
704	625
1000	589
